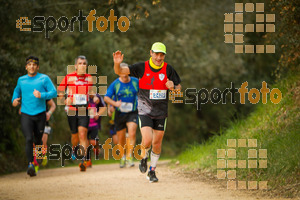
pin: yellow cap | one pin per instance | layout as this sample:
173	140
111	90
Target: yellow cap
159	47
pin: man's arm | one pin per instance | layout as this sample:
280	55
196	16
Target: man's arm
110	93
108	100
90	88
100	103
51	91
110	110
118	58
52	105
170	85
51	110
61	91
173	81
178	87
16	96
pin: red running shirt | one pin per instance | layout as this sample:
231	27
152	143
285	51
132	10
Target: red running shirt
77	88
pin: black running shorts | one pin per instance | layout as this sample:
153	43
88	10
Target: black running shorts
92	134
156	124
75	121
122	118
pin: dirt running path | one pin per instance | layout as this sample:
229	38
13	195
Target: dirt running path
108	181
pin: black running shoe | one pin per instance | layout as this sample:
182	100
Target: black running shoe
39	161
31	170
152	177
143	165
82	166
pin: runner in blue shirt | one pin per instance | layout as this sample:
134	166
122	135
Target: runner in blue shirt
125	90
33	90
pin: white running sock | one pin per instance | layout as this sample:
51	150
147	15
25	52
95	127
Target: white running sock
154	159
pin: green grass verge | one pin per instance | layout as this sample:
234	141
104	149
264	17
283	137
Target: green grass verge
276	128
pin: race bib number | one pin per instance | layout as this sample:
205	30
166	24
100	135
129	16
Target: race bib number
126	107
80	99
158	94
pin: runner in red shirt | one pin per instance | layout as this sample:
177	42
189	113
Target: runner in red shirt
156	77
77	86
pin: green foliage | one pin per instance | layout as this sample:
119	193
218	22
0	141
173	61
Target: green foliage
287	33
193	33
276	128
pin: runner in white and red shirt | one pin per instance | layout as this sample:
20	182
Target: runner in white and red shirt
77	86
